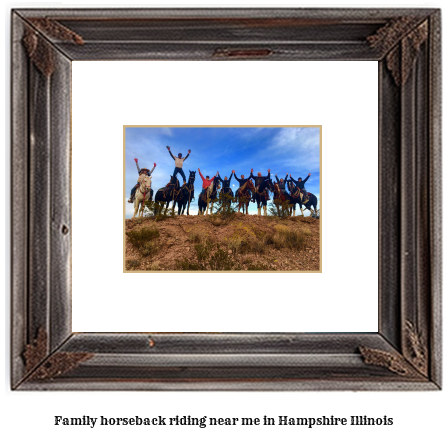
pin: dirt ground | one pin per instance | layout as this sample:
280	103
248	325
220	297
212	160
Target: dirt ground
178	237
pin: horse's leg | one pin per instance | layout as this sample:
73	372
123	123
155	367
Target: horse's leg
135	207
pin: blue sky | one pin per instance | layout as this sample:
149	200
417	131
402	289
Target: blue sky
294	150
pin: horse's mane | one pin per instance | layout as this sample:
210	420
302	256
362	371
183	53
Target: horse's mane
244	186
209	190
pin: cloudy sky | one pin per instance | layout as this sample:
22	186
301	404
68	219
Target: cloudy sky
282	150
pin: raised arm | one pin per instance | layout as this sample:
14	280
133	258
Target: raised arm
237	179
305	179
189	151
201	176
285	179
291	179
138	167
150	173
170	153
276	176
229	179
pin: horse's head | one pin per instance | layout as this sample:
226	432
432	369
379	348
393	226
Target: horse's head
250	185
146	181
192	176
276	188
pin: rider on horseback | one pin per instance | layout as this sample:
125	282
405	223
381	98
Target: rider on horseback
179	163
258	181
141	172
225	183
242	181
300	184
282	183
206	181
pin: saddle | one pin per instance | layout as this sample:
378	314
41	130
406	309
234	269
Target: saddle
305	198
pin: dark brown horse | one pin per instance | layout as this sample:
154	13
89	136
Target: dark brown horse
244	196
280	199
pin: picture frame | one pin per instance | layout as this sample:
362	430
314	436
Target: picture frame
405	353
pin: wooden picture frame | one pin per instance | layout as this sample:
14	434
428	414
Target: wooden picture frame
405	353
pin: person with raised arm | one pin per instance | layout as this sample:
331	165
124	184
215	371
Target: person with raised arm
241	181
206	181
258	181
282	183
140	171
179	163
225	182
300	184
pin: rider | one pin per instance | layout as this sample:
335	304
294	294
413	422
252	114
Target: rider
225	182
179	163
300	184
206	181
242	181
140	171
282	183
258	181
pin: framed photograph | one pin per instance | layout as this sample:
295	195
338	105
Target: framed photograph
251	221
151	320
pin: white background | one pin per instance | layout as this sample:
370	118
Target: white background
299	93
415	414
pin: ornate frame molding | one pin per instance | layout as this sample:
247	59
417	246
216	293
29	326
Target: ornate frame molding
405	354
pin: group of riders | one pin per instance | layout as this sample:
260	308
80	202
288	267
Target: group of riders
207	181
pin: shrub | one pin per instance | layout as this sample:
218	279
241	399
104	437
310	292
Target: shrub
143	240
224	207
132	264
198	236
258	266
222	261
284	210
288	238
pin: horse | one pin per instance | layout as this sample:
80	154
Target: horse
141	194
185	195
167	194
261	195
296	197
243	196
210	195
280	199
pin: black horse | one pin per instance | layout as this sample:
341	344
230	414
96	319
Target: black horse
261	195
295	198
185	195
210	196
167	194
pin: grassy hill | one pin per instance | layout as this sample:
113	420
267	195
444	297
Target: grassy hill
208	243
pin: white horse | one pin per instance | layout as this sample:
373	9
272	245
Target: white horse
141	194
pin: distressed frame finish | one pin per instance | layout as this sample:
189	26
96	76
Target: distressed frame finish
405	354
